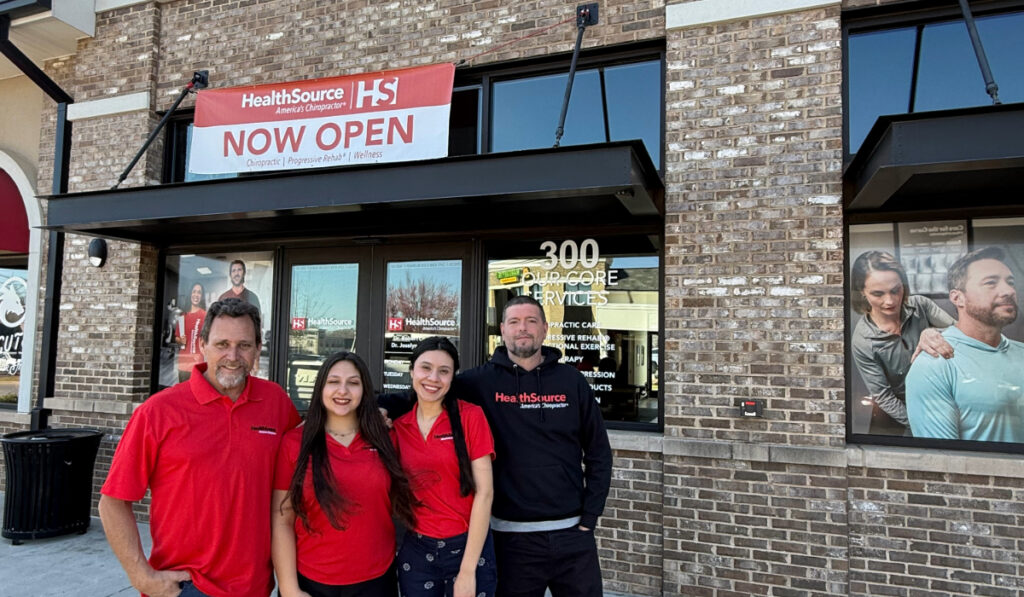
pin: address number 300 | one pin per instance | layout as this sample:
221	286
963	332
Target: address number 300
568	254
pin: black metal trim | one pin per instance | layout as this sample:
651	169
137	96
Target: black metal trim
924	12
899	15
923	144
159	311
611	174
25	64
24	8
934	443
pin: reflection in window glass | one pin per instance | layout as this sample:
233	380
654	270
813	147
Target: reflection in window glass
13	302
634	104
526	112
881	65
322	321
949	75
602	315
424	299
191	284
463	129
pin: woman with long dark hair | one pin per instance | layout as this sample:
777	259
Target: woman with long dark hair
445	448
895	327
337	487
188	330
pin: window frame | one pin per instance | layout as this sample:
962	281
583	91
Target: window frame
898	16
555	64
855	219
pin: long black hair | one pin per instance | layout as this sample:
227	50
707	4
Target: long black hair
451	407
202	298
314	448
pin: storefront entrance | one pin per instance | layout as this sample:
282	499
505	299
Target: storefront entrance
378	301
374	258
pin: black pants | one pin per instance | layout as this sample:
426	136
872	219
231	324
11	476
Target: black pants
564	561
385	585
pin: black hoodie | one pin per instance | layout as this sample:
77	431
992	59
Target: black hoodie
546	422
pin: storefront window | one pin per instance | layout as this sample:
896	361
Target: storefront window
424	298
322	320
612	103
602	312
907	277
930	66
13	301
192	283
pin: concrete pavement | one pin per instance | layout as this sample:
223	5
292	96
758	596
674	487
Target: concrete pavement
71	566
68	566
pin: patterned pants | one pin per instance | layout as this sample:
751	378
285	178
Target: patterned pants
427	567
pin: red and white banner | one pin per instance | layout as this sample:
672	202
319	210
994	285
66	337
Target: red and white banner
389	116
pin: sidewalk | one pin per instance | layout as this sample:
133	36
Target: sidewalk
70	566
67	566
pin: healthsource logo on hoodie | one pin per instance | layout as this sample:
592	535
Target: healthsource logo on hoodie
532	399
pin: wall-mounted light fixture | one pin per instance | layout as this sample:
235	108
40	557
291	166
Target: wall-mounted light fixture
98	252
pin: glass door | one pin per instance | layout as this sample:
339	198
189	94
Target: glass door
424	299
323	314
377	301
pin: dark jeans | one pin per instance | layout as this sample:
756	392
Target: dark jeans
564	561
427	567
382	586
189	590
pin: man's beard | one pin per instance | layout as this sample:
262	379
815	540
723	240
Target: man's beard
523	352
228	380
988	316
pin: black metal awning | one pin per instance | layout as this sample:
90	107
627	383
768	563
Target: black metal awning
581	185
938	160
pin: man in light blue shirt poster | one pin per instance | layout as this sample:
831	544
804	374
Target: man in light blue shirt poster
978	394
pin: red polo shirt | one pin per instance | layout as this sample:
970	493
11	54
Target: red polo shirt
209	463
433	468
366	547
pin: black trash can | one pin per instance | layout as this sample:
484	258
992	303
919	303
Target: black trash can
49	482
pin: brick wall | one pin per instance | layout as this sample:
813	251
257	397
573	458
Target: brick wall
742	527
244	43
754	231
629	535
718	504
943	524
754	307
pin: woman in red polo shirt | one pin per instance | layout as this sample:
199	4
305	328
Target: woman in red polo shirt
190	327
445	447
337	486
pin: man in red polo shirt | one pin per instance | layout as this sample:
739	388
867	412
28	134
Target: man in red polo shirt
206	449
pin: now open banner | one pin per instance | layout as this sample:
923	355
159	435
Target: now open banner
389	116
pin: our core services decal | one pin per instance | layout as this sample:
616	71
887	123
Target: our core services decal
389	116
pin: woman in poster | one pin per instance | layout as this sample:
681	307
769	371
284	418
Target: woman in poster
338	484
895	327
446	449
190	326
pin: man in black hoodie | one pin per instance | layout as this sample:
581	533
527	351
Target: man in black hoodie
553	465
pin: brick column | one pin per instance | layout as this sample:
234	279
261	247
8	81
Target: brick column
754	300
